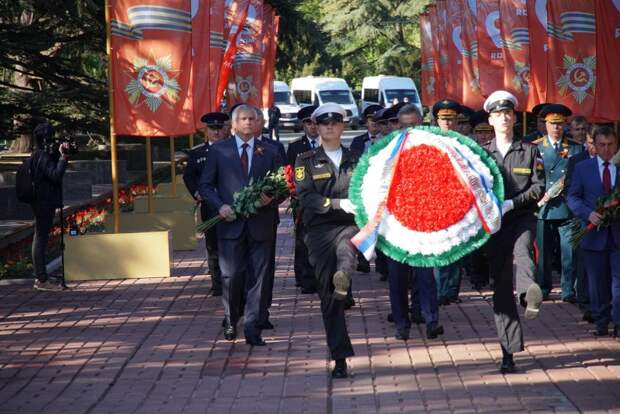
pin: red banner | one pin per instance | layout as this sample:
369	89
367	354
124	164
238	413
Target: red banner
454	74
427	66
537	24
490	53
571	73
270	43
246	85
607	104
201	38
439	57
151	67
515	39
235	15
472	96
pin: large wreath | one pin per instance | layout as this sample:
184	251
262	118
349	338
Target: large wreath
426	197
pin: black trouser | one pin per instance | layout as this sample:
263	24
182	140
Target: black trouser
267	295
510	253
304	275
43	220
211	244
330	249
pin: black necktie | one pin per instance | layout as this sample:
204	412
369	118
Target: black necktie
312	144
244	157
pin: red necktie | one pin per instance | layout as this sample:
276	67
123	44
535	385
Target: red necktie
244	158
606	178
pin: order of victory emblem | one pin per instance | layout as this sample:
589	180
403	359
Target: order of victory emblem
153	83
521	80
579	77
245	88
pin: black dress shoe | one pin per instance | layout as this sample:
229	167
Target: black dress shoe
417	318
600	332
390	318
265	325
230	333
508	366
433	332
340	370
308	290
402	334
587	317
569	299
255	340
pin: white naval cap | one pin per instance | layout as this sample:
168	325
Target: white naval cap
328	111
500	100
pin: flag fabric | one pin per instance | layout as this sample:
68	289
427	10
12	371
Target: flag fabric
270	42
472	96
234	19
607	104
439	57
427	66
455	50
515	40
247	73
201	55
151	67
537	27
571	72
490	50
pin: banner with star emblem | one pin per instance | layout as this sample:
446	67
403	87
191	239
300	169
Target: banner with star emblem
440	59
490	52
571	74
151	67
472	95
515	40
537	25
248	63
607	104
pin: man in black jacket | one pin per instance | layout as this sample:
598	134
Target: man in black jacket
48	167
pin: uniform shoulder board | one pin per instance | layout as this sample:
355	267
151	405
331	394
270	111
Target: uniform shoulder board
198	146
538	141
307	154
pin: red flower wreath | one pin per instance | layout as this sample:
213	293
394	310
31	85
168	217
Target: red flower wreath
431	201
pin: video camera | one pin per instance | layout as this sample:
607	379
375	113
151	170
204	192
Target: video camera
52	145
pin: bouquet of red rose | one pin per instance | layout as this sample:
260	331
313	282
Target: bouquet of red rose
294	205
608	206
246	202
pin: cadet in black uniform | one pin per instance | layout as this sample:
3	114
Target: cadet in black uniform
214	132
323	176
510	250
304	275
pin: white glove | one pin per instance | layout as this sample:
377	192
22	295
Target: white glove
347	205
507	206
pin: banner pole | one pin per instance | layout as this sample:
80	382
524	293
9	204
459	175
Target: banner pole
524	124
149	175
113	156
173	169
191	141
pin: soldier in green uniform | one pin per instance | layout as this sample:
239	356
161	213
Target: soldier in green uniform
322	176
554	215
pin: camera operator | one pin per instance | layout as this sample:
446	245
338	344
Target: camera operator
48	164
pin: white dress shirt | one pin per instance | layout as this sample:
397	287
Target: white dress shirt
249	149
612	170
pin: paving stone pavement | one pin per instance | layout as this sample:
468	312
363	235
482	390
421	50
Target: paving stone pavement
156	346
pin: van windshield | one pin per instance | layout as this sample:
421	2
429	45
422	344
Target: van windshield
284	98
342	97
408	95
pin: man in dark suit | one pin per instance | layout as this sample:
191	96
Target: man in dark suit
304	274
361	143
591	180
214	132
244	245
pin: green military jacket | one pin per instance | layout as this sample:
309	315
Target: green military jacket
556	165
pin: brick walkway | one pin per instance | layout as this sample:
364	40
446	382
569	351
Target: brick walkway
155	345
